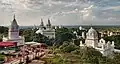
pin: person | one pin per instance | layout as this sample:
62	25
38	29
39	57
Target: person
6	59
27	59
20	61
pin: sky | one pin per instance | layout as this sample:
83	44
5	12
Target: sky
60	12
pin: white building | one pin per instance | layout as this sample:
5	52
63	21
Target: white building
83	35
81	28
13	34
91	38
47	30
106	48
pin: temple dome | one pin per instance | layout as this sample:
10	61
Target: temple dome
92	33
91	30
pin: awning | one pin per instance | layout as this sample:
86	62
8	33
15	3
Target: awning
7	44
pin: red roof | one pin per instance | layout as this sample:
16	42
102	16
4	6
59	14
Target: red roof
7	44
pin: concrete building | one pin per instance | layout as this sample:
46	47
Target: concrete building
105	47
47	30
91	38
13	34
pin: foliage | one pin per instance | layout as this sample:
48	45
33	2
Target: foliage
82	55
62	35
73	54
2	57
90	55
67	47
39	38
28	34
115	38
3	31
117	58
55	60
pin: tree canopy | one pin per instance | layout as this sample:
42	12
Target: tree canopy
115	38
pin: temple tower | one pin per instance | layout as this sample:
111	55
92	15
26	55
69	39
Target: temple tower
91	38
49	24
13	29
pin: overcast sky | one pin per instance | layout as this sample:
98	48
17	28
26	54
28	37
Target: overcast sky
60	12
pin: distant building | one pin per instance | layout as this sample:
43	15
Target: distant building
81	28
47	30
80	33
83	35
109	33
113	33
106	48
13	34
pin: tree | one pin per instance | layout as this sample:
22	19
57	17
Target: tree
38	38
68	47
63	37
27	33
3	30
2	57
115	38
117	58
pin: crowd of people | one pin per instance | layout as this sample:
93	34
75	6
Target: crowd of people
26	54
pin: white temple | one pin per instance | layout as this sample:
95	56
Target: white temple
13	34
106	48
47	30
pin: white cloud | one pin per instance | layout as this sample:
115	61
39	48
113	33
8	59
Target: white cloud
87	13
79	11
116	8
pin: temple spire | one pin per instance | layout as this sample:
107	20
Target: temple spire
49	24
14	22
14	16
14	29
42	24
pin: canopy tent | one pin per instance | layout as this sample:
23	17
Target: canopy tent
7	44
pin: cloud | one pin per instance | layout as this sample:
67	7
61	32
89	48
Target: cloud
87	13
61	11
115	8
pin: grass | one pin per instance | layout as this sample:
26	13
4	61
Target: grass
66	58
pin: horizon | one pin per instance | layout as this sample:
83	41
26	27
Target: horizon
63	25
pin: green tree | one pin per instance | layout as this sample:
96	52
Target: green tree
2	57
115	38
117	58
27	33
68	47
